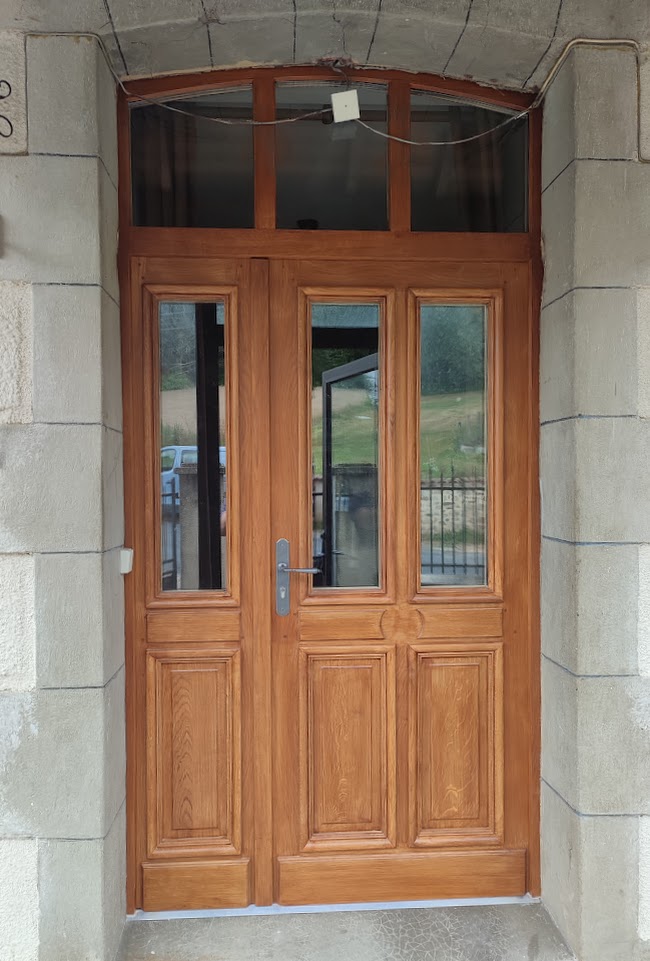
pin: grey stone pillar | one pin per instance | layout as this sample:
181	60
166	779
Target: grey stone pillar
595	472
62	788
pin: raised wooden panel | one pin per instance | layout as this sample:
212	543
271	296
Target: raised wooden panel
461	621
194	751
407	875
347	748
187	885
330	624
455	745
195	625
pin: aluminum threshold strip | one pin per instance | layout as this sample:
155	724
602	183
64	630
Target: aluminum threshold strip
254	910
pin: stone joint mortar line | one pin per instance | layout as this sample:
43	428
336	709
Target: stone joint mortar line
374	29
63	283
569	417
571	290
460	37
207	27
85	687
613	160
564	540
549	45
589	677
81	156
77	423
117	39
583	814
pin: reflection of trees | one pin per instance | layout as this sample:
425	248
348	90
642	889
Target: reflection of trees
178	345
453	351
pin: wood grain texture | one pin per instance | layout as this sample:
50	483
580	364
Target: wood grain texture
409	876
461	621
211	243
449	734
186	885
171	625
347	747
399	156
456	734
194	739
318	624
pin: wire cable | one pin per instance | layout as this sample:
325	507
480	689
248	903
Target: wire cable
444	143
613	43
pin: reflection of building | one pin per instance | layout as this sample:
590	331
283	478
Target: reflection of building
183	536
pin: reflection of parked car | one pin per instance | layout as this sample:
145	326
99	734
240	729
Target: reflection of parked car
179	456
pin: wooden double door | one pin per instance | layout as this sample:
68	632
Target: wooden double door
363	730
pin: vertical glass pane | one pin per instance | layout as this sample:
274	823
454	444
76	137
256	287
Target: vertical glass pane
188	170
453	445
330	176
193	446
345	444
477	186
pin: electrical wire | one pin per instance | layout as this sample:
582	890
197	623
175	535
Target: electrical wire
444	143
613	43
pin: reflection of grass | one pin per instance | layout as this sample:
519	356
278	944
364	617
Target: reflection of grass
354	434
446	422
176	434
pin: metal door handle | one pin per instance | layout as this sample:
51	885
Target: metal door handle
282	567
282	571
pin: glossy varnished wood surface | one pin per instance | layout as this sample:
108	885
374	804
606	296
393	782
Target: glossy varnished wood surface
315	729
457	728
393	728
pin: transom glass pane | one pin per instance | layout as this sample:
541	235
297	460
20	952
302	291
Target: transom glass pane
477	186
193	476
189	171
330	176
453	445
345	444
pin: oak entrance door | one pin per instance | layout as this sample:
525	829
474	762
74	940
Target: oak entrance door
332	652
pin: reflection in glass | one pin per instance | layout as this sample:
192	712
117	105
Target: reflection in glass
453	458
189	171
345	444
478	186
330	176
193	446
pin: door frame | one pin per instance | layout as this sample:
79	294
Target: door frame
263	243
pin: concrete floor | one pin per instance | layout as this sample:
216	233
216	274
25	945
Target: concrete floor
487	933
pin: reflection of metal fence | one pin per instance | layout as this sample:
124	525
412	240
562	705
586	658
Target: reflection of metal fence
171	541
452	532
453	524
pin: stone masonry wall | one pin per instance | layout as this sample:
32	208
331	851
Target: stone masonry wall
62	821
595	470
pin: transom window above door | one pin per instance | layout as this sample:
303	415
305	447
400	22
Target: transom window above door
266	154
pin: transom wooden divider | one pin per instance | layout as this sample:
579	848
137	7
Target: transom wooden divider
313	757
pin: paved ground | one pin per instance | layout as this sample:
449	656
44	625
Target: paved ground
500	933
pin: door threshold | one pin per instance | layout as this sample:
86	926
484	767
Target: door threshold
270	909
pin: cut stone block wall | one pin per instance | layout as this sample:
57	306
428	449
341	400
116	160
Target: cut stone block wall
595	460
62	762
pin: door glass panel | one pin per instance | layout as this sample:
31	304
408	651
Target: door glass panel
193	446
330	176
453	444
481	185
187	169
345	443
